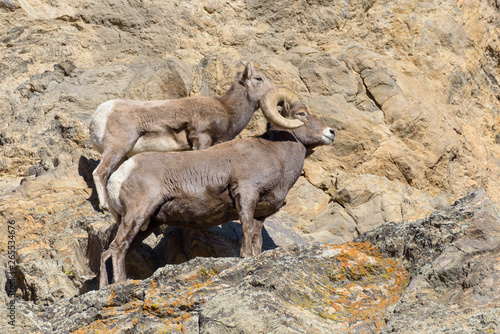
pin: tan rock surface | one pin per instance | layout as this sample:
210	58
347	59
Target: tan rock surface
411	88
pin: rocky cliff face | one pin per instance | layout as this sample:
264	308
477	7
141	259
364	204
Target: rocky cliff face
412	90
435	275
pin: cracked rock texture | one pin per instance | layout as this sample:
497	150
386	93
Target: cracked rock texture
412	89
439	274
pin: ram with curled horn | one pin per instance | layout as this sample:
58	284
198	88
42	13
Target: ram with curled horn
245	179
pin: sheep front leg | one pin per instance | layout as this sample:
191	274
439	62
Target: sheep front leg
251	244
252	238
256	237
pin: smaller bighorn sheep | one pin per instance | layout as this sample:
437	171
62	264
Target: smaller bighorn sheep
246	179
123	128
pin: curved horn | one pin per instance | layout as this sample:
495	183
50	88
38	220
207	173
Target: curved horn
269	103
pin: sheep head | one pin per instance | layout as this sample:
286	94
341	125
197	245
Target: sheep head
255	82
296	117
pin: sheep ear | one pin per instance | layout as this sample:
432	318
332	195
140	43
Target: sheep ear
248	72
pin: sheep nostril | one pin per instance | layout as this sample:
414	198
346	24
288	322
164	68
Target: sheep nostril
332	132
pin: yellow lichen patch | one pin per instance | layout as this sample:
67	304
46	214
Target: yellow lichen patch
170	307
169	311
176	307
100	326
365	284
112	296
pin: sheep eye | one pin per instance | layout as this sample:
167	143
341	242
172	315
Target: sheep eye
259	79
301	113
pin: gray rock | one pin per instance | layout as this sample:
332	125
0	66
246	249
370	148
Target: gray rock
452	257
441	266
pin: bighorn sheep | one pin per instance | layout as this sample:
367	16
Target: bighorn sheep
246	179
123	128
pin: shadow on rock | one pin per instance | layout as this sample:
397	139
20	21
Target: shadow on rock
85	169
168	245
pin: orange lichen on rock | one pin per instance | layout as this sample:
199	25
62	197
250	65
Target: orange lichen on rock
170	312
365	284
100	326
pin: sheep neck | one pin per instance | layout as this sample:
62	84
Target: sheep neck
287	148
240	106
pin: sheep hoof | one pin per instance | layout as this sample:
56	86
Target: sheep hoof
145	226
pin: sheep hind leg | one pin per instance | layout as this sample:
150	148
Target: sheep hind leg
105	255
128	229
111	159
100	185
145	231
117	252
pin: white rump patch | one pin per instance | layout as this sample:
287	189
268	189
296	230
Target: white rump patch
115	183
98	124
